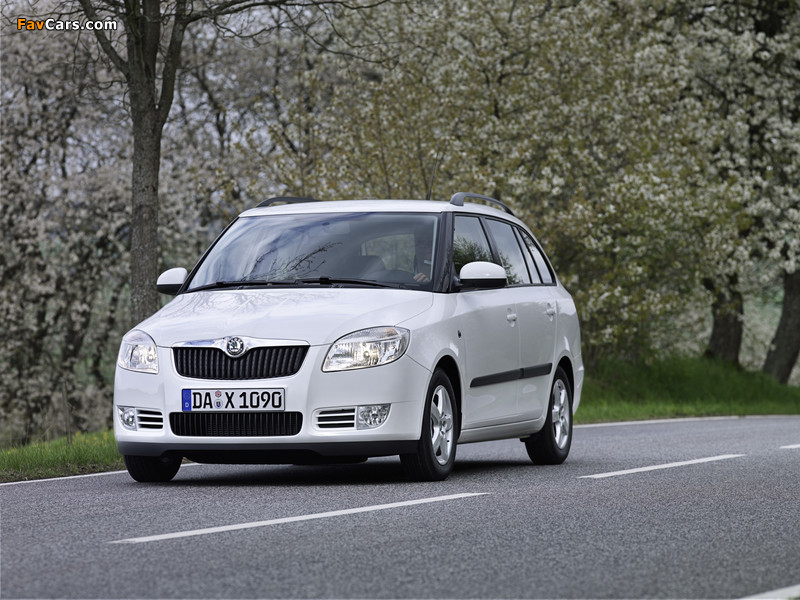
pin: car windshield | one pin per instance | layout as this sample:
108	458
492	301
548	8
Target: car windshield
392	249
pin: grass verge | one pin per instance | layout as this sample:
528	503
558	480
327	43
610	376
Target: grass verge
680	387
88	453
614	391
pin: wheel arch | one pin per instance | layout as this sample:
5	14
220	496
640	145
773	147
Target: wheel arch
450	368
566	364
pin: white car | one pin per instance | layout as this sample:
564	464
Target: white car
318	332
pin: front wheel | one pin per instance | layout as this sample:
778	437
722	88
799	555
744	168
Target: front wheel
551	445
152	469
436	450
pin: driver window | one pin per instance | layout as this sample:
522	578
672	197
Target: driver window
469	243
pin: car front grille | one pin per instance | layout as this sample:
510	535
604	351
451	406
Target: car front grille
257	363
236	424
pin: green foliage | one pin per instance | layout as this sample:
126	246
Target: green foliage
680	387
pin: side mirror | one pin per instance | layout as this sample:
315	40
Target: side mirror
482	274
169	282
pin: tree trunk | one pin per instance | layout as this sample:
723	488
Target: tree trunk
785	347
727	329
149	110
144	217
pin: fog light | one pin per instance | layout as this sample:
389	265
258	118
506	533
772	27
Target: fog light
372	416
127	416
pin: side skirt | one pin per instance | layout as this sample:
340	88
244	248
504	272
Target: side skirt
502	432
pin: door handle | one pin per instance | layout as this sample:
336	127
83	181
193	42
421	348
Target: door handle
511	317
551	310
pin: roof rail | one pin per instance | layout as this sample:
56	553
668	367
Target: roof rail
458	200
287	200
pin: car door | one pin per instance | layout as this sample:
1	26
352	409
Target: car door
531	290
487	321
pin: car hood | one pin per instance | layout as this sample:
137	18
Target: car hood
315	316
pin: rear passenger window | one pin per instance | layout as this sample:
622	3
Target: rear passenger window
528	258
510	252
538	258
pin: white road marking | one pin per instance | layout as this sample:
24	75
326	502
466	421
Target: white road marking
792	447
66	477
781	594
324	515
62	478
664	466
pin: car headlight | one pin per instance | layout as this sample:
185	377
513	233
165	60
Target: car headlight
138	352
367	348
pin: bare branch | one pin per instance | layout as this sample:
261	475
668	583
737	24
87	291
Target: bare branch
105	43
231	7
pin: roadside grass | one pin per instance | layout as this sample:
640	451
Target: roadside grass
680	387
614	391
88	453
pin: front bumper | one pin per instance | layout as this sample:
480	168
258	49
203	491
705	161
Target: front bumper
401	384
270	453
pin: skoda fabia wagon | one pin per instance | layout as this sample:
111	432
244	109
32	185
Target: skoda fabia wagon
315	332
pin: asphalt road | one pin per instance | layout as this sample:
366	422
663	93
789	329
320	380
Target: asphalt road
722	520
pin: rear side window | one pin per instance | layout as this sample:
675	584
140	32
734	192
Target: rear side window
510	252
538	259
470	243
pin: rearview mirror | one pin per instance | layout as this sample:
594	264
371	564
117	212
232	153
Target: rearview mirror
170	281
481	274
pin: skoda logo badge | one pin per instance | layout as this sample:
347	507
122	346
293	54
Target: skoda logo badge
235	346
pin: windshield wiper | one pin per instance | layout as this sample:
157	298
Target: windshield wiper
346	281
219	285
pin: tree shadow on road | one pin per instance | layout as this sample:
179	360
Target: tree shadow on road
387	471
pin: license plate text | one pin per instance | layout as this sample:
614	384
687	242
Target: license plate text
228	400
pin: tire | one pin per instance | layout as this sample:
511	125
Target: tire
436	449
152	469
551	445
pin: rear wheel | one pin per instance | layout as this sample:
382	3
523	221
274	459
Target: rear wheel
152	469
551	445
436	450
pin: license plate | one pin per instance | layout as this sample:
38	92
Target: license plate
271	399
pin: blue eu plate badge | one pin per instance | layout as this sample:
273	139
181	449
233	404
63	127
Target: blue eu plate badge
187	400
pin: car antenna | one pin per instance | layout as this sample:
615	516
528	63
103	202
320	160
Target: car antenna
433	175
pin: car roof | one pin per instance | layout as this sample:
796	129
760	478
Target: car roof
405	206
